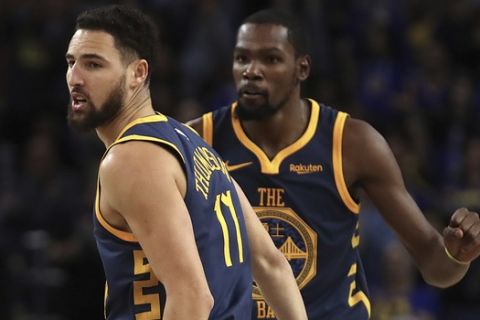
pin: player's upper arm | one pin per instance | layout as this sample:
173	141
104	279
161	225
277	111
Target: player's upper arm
367	157
369	163
264	254
145	184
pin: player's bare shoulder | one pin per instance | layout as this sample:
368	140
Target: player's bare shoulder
123	156
133	163
362	147
360	134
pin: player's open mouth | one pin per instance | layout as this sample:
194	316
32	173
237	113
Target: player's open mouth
78	101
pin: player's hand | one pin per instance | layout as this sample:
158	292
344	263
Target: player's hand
462	235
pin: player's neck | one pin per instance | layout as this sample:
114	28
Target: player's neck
282	129
137	106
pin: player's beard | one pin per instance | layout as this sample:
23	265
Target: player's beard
246	112
260	112
92	116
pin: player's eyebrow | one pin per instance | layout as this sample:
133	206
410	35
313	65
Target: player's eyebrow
69	56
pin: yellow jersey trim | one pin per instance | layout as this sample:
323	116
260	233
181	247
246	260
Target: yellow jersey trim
208	128
105	296
153	118
136	137
356	237
351	204
268	166
123	235
359	296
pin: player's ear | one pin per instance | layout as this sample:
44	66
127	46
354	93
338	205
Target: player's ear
303	66
139	72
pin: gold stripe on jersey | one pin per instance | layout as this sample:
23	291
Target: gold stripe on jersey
208	128
338	165
123	235
105	296
358	296
153	118
273	166
137	137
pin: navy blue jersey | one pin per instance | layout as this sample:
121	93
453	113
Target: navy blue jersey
302	200
133	292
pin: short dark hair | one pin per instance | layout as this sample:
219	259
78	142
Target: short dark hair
296	34
135	33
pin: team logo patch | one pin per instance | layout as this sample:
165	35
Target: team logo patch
295	239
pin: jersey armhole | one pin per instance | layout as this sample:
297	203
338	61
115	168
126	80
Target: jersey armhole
123	235
347	199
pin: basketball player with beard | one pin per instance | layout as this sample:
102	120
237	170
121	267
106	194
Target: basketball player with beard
177	237
302	165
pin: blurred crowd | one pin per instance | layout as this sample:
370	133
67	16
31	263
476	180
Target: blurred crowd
411	68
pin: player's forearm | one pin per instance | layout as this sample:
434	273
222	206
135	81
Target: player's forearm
279	288
188	306
438	269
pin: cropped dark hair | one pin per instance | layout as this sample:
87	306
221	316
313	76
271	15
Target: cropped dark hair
135	33
296	34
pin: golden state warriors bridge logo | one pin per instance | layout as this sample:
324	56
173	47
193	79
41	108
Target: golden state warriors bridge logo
294	238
